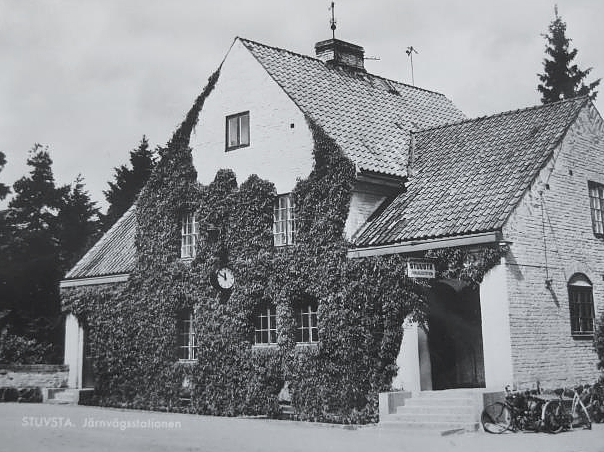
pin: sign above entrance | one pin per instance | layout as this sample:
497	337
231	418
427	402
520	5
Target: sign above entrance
417	268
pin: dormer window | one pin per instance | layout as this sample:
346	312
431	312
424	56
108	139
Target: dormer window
189	235
238	131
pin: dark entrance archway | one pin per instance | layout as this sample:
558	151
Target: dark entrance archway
455	336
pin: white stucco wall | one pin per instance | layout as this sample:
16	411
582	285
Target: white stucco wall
277	151
495	313
74	350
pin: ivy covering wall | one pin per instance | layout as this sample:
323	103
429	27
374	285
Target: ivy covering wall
362	303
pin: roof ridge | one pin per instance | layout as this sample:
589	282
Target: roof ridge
583	99
244	40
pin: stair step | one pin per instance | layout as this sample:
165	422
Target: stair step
427	426
442	401
432	417
433	409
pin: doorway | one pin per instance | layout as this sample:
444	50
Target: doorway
455	336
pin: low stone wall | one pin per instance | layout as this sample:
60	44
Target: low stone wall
33	375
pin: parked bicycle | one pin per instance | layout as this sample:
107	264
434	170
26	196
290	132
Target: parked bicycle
593	399
520	411
566	412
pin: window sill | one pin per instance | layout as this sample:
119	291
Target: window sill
583	336
187	362
264	346
307	344
233	148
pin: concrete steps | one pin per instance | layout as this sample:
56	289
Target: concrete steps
64	396
437	411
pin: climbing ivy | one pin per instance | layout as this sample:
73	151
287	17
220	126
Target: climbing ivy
362	303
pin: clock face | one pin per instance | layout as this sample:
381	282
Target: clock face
225	278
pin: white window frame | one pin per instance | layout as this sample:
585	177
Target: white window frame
284	221
307	327
265	325
187	339
581	306
189	236
596	205
237	133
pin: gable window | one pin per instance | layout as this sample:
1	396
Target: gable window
187	343
307	330
189	236
596	204
581	305
284	221
238	131
265	325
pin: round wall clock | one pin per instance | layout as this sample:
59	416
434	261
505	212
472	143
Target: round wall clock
223	278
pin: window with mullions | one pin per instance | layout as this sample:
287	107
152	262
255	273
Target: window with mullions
265	325
284	221
189	236
596	204
581	305
238	130
187	343
307	330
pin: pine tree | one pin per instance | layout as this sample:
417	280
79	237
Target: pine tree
30	269
4	190
78	224
560	79
128	182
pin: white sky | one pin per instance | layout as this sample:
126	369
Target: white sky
89	77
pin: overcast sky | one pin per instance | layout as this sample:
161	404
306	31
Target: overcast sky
89	77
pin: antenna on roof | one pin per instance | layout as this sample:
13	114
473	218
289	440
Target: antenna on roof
333	21
410	51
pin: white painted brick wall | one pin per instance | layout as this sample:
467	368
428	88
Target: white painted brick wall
277	152
542	346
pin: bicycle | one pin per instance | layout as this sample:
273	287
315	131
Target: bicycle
558	416
520	411
593	399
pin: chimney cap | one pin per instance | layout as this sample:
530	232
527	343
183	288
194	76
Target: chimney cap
341	53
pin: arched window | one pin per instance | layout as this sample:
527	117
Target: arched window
581	305
307	330
265	325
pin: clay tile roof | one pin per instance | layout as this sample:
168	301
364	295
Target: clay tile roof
369	116
113	254
471	175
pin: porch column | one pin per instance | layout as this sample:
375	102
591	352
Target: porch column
495	313
413	360
74	350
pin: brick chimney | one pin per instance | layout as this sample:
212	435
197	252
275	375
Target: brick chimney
341	53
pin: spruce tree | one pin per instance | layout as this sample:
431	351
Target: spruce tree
78	224
4	190
128	182
562	79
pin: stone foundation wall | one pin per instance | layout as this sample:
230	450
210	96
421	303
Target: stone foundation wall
33	375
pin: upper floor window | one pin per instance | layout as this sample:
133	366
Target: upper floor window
596	203
284	221
189	236
265	325
307	330
238	130
187	342
581	305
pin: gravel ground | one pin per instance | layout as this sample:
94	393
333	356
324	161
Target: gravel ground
61	428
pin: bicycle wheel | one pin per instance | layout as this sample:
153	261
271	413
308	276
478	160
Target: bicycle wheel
496	418
582	415
553	416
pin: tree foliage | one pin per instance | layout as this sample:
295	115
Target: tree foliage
45	229
4	190
561	78
128	182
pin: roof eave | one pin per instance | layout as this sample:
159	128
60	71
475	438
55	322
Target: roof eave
413	246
